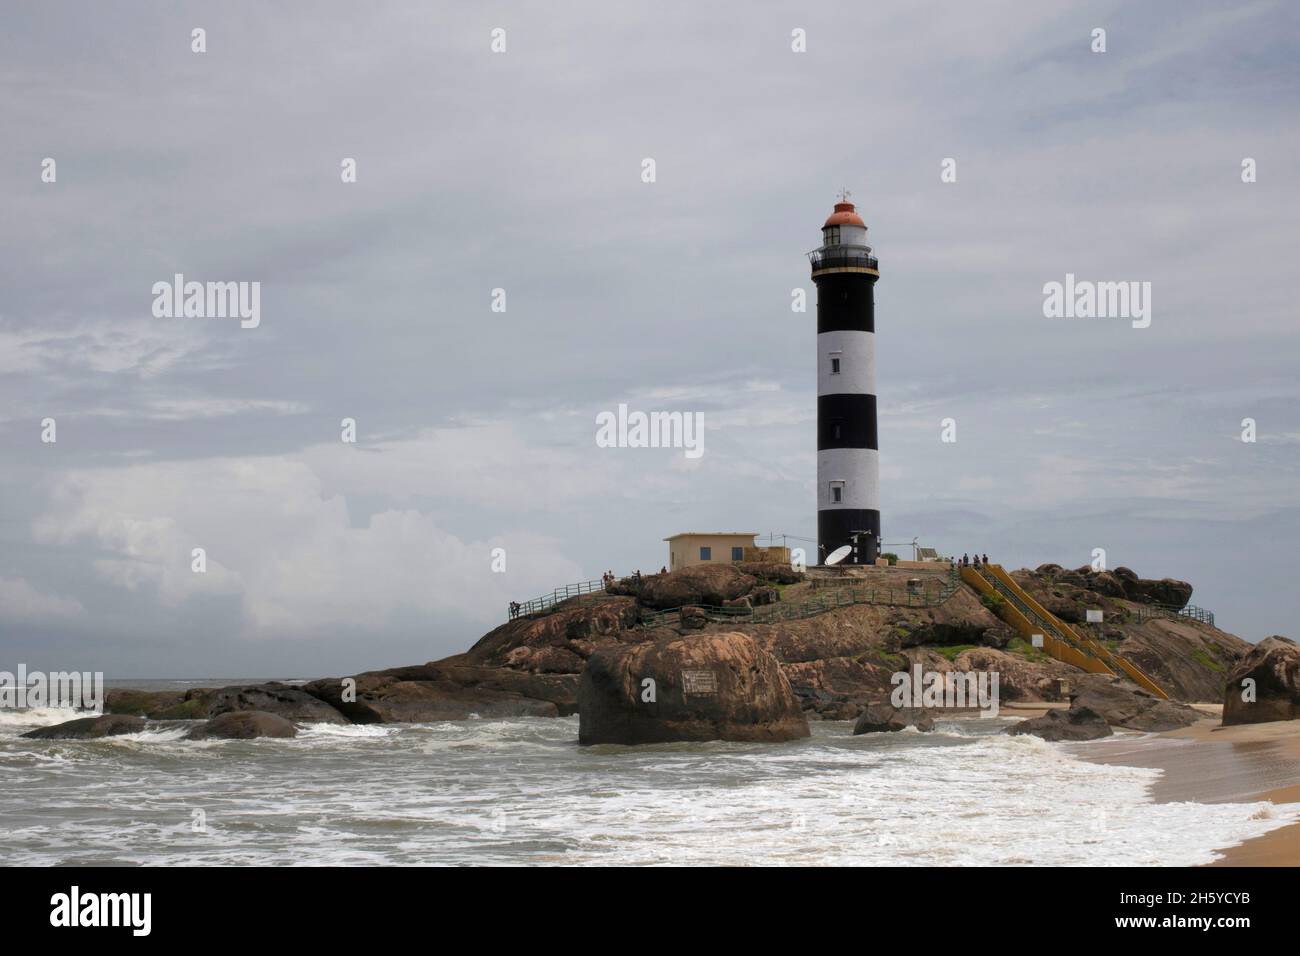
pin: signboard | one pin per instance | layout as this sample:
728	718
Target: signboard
699	683
1094	616
1037	640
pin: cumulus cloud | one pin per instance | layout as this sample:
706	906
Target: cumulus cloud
289	553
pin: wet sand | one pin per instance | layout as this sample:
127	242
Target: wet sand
1206	763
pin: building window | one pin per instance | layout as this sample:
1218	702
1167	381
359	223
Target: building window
737	554
706	554
837	492
832	234
835	366
837	432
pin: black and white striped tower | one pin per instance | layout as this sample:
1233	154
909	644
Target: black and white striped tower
848	462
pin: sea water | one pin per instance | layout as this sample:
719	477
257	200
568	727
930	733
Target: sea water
522	791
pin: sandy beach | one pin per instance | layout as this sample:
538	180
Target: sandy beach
1207	763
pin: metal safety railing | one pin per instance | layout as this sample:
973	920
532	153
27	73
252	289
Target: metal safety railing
1147	612
548	601
842	258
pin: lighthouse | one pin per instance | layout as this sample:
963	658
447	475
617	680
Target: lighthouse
848	461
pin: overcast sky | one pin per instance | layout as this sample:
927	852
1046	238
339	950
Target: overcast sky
522	171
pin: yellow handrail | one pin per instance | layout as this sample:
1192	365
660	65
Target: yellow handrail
1104	654
1058	649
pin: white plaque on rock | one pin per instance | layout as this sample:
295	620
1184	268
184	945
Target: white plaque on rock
699	683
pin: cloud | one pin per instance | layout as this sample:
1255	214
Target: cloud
522	172
289	553
20	602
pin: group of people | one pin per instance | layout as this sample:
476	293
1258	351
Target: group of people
514	610
609	578
966	561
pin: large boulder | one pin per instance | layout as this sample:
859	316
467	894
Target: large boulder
1274	666
1169	592
89	728
422	694
718	686
1122	705
711	584
1077	723
291	703
243	725
881	718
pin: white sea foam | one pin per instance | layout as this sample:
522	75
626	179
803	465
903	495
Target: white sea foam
522	791
348	730
13	721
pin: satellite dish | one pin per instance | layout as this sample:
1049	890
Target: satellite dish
839	554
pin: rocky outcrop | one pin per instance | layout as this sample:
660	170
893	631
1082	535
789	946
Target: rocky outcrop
717	686
561	690
89	728
1123	705
770	571
826	706
1274	667
1188	660
422	694
882	718
558	642
1167	592
1021	677
1077	723
1120	583
243	725
693	619
711	584
191	704
839	659
914	633
288	702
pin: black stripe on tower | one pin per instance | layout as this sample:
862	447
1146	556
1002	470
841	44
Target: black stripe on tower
846	421
846	302
838	524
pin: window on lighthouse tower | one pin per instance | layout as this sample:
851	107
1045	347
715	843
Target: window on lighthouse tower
832	235
837	492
